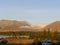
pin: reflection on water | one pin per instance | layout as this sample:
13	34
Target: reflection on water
5	36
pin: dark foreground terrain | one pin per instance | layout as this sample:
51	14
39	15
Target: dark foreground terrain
39	43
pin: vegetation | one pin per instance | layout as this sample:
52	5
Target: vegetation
35	35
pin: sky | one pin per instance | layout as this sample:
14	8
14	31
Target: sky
37	11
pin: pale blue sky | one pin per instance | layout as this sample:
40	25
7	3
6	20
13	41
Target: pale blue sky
38	11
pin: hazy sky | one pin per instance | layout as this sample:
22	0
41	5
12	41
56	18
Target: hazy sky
38	11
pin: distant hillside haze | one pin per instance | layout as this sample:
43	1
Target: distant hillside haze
38	25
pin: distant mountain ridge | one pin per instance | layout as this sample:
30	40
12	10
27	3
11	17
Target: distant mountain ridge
10	25
18	25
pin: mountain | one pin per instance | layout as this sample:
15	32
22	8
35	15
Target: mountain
12	24
55	26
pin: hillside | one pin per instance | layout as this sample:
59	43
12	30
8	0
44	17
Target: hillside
55	26
12	24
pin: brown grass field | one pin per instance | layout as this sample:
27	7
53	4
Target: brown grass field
18	41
